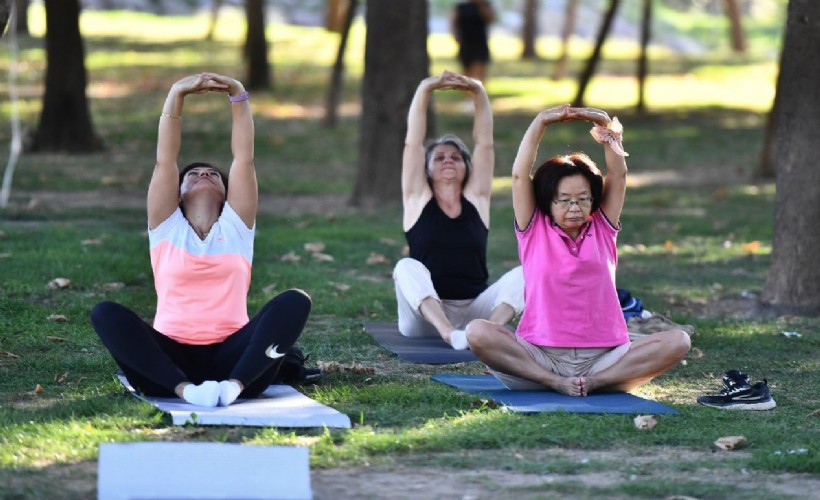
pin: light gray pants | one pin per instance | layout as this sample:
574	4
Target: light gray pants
414	284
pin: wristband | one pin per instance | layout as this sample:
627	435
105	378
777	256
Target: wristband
242	96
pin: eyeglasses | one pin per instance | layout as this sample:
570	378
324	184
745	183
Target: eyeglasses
581	202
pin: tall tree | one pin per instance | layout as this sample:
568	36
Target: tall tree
5	10
793	282
21	17
643	59
529	31
65	121
570	15
395	62
592	62
334	91
256	46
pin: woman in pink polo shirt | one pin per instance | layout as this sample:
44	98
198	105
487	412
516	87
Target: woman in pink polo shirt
572	336
202	346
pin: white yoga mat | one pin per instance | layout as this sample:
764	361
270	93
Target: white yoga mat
278	406
203	471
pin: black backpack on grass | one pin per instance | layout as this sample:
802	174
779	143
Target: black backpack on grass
293	368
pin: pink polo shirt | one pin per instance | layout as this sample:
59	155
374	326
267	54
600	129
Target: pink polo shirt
202	285
569	294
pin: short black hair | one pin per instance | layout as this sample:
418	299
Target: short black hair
549	174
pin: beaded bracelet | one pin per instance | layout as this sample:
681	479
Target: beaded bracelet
242	96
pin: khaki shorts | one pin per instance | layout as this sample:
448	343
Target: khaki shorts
564	361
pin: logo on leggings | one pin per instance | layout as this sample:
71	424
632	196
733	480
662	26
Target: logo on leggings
271	352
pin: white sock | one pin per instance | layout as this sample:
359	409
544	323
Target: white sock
228	392
204	394
458	339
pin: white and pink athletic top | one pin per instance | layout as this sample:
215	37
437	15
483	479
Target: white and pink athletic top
202	285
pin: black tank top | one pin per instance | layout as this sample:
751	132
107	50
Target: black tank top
454	250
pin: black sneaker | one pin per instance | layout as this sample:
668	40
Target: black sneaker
737	394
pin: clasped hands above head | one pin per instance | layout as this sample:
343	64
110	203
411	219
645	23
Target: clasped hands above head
565	113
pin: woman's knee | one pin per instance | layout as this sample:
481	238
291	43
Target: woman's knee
298	298
479	333
104	311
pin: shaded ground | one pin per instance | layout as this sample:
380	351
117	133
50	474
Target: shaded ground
668	472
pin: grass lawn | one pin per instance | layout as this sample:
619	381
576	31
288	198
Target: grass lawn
695	246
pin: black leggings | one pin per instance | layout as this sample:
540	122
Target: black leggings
155	364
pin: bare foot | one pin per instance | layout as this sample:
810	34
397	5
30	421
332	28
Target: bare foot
571	386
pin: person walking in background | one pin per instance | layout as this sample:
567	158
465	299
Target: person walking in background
470	26
446	193
202	347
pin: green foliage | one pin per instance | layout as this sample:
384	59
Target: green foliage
696	240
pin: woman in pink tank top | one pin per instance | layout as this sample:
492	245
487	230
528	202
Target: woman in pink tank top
572	336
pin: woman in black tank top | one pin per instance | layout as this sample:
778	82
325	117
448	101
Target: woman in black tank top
446	195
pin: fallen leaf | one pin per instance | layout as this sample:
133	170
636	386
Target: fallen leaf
341	286
113	287
5	255
39	389
57	318
815	413
61	378
314	247
59	283
336	367
290	257
54	339
751	247
322	257
728	443
268	290
388	241
645	422
377	258
485	403
668	245
405	250
695	353
91	242
9	355
3	234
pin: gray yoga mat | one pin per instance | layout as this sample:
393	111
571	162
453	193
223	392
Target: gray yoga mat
420	350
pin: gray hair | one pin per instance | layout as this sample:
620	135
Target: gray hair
454	141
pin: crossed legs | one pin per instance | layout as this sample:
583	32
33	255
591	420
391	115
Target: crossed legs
646	358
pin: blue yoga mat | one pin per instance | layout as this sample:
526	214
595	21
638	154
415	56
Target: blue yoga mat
550	401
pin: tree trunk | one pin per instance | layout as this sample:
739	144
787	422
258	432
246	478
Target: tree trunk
335	90
5	12
21	17
65	123
395	62
603	33
643	61
793	283
570	14
215	6
735	26
256	46
767	168
529	31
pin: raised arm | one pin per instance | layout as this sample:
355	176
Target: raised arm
163	190
479	187
609	133
522	187
243	192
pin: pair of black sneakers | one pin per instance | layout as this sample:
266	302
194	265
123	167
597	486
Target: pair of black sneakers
738	394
